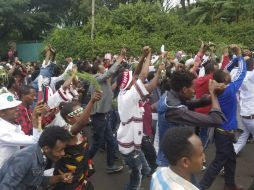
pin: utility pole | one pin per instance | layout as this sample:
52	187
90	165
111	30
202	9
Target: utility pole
92	29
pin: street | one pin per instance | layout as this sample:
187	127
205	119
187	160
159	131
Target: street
104	181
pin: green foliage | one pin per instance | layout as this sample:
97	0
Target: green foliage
32	19
214	11
135	25
89	78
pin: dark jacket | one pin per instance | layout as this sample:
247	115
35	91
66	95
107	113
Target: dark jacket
172	112
24	170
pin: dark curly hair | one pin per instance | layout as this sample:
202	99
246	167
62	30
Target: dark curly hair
175	144
51	135
181	79
219	76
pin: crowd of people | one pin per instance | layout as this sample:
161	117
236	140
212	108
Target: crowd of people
157	113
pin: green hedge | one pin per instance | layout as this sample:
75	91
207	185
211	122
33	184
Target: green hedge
135	25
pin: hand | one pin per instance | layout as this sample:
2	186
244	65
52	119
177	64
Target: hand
161	67
123	52
122	56
18	62
69	59
246	58
204	46
66	177
235	49
146	50
39	109
215	87
96	96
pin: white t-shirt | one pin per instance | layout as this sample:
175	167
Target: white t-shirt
164	179
130	108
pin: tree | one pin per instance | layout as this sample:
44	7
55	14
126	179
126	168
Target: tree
32	19
206	11
137	24
234	9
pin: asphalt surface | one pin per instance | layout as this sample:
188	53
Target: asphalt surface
103	181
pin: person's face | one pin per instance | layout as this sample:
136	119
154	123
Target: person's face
18	82
10	114
29	99
20	79
107	61
216	67
197	158
101	69
72	120
188	92
55	153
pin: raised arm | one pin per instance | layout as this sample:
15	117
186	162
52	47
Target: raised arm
47	56
154	82
145	67
187	117
84	118
140	63
112	69
241	73
236	51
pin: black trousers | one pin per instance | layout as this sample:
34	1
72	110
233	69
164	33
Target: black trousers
102	132
225	157
149	152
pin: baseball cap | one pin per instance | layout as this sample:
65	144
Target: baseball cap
8	101
108	56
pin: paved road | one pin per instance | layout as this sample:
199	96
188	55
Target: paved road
244	172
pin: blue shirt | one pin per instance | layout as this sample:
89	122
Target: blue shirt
24	170
227	100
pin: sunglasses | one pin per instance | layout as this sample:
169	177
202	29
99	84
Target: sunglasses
76	112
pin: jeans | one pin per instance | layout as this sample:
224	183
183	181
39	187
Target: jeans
100	132
203	134
242	140
113	120
225	157
48	71
138	168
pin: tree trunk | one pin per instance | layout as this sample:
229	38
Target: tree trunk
182	2
188	2
92	28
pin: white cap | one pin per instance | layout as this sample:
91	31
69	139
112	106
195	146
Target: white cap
189	62
108	56
8	101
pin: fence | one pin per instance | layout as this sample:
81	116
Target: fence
29	51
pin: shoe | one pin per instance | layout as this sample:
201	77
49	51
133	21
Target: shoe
114	169
236	187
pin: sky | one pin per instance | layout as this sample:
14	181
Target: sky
175	2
